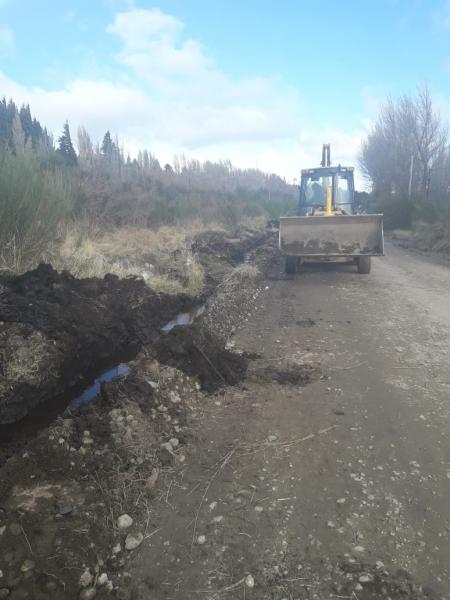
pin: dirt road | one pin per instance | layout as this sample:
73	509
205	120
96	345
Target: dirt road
337	489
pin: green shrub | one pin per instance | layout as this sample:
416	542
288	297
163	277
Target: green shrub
398	211
33	200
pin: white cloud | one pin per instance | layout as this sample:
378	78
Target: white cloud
169	95
6	37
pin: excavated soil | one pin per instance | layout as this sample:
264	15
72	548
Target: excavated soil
65	485
54	329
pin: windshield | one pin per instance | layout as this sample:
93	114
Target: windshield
343	195
316	190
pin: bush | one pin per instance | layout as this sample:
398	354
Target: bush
33	200
398	211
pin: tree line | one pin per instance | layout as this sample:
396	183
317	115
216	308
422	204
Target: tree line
44	182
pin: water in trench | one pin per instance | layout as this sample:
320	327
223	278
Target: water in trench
90	392
181	320
13	436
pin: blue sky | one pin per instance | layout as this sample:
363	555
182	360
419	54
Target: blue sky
263	83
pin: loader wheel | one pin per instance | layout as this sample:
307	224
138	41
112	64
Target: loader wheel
364	264
290	266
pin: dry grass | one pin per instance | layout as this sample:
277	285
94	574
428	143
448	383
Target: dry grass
161	257
401	234
27	357
240	274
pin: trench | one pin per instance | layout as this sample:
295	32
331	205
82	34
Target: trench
15	435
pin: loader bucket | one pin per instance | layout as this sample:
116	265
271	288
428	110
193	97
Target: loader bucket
332	236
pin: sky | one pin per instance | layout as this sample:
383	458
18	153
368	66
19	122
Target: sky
263	83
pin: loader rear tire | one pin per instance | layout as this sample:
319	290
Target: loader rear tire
290	266
364	264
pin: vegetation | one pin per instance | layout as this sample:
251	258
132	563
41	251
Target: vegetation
34	200
406	157
54	198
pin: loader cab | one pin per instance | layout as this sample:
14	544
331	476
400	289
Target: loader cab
317	183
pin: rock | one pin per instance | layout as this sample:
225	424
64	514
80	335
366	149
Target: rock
272	438
27	565
88	593
102	579
116	549
86	578
167	446
65	508
151	481
174	442
124	521
340	501
132	541
1	573
365	578
201	540
167	453
2	529
249	581
4	593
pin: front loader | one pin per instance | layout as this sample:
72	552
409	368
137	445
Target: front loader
328	225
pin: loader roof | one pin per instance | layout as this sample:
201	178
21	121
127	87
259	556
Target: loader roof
325	171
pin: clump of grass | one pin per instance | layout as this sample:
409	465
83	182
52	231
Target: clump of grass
240	274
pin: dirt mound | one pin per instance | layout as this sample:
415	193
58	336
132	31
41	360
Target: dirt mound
434	238
218	252
55	328
198	354
425	237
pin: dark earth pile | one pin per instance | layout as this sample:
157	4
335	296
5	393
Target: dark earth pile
62	494
55	328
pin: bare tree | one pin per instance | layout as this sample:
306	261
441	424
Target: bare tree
407	139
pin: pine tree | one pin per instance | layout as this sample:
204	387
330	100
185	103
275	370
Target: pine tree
145	160
3	122
65	147
85	147
17	135
27	121
107	145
